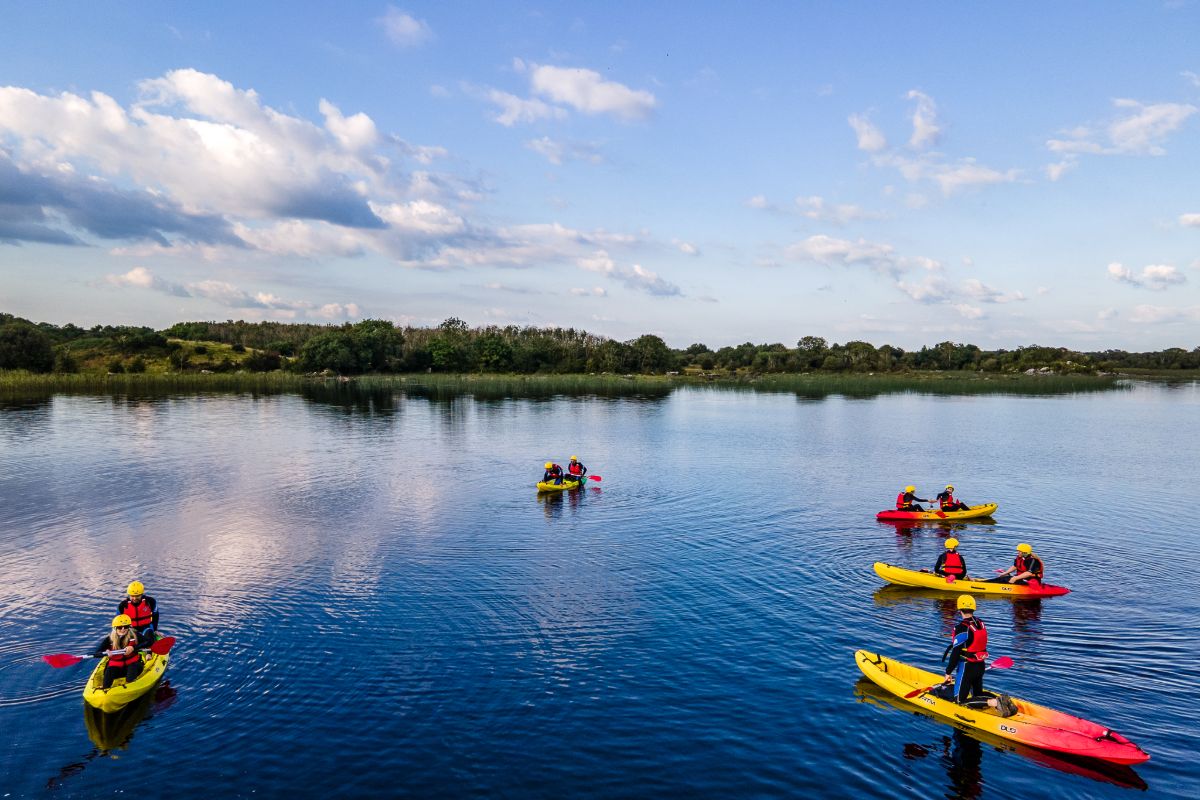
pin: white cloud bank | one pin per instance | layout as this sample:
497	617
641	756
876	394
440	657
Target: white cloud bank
1153	276
1141	129
404	30
556	90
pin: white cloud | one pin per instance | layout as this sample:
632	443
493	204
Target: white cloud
1055	171
1043	291
514	109
595	291
838	214
230	296
1189	220
1147	314
758	201
687	248
404	30
1153	276
986	294
586	90
926	130
827	250
1106	314
969	311
636	277
1140	131
870	138
931	289
1192	78
557	152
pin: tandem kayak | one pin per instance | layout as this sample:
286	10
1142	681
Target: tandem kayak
974	512
927	580
121	694
1032	725
558	487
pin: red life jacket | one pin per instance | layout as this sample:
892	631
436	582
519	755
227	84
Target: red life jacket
900	502
122	660
976	648
953	565
1023	563
575	468
948	501
139	614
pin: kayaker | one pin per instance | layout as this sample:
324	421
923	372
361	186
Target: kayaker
553	473
946	501
142	610
127	663
576	469
951	562
1026	567
907	500
968	660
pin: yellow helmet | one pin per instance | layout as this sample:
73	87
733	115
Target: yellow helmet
966	602
910	488
549	464
951	543
574	458
949	487
136	588
1024	548
122	621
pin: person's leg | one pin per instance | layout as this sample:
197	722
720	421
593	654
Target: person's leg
110	675
974	678
961	689
132	671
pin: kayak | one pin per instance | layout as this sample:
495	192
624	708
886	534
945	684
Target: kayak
558	487
974	512
121	694
927	580
1032	725
1115	774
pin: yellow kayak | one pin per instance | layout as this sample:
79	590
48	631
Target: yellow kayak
120	694
927	580
1033	725
974	512
558	487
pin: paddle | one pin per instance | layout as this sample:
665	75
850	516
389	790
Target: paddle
59	660
1003	662
594	478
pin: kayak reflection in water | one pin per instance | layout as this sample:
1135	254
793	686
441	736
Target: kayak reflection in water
946	501
126	662
553	474
1026	568
951	563
907	500
968	660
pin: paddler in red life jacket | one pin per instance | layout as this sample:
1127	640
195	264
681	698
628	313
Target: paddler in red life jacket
907	500
576	469
968	659
143	613
1026	567
553	473
951	562
946	501
127	663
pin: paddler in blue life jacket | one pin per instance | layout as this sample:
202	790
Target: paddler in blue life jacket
1026	567
946	501
951	562
576	470
142	610
907	500
553	473
968	660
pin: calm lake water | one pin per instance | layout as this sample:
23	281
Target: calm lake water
369	598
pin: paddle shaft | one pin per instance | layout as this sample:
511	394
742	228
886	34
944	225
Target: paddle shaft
1004	662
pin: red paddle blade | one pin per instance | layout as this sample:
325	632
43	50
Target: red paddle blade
916	692
59	660
595	478
1003	662
163	646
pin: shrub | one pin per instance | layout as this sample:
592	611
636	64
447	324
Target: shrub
137	365
116	366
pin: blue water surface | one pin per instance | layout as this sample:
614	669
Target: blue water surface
369	598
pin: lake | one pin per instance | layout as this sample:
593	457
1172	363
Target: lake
370	598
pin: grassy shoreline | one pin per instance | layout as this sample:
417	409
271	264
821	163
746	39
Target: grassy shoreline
24	384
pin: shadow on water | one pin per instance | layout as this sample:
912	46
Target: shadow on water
961	753
109	732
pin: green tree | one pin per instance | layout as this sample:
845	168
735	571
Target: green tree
22	346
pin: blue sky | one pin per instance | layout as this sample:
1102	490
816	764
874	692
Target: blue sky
1005	175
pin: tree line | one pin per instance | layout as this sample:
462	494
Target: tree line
454	346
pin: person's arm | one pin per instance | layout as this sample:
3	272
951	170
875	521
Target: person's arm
937	566
154	613
964	565
102	648
961	637
583	469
